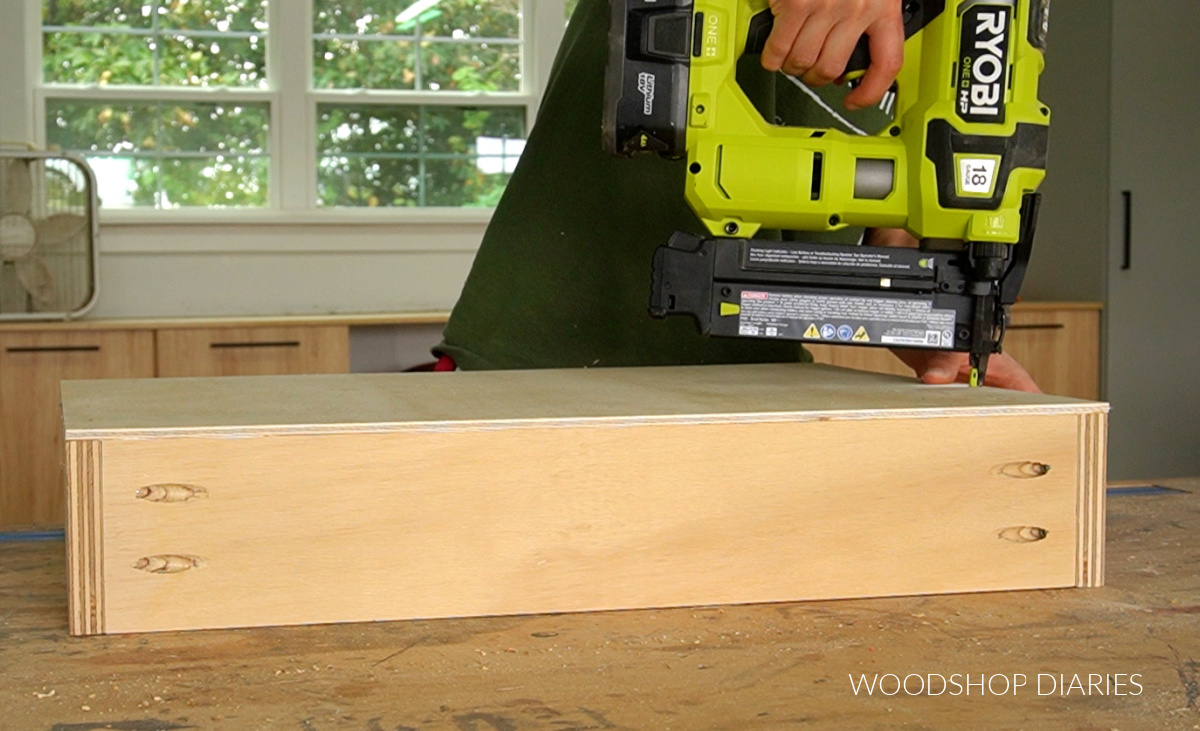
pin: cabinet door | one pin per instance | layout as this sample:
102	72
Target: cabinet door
253	351
1153	336
31	366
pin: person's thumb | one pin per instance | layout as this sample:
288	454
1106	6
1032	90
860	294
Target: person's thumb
941	367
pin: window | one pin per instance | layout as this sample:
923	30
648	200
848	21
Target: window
416	149
295	104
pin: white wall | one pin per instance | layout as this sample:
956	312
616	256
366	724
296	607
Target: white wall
278	269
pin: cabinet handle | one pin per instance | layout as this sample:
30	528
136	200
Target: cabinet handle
263	344
1039	326
1127	250
54	349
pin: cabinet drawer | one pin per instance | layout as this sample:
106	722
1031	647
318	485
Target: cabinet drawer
219	532
1059	347
32	364
252	351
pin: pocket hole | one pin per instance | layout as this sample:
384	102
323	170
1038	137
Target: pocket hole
1024	470
1023	534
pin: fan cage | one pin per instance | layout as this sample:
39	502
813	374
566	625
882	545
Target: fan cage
59	185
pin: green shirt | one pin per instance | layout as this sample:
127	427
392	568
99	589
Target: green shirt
562	277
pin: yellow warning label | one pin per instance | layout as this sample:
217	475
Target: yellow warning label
812	332
861	335
728	309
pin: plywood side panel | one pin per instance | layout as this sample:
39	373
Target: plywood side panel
475	521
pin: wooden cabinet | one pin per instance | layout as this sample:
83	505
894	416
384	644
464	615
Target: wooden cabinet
32	363
1059	346
252	351
36	357
1058	343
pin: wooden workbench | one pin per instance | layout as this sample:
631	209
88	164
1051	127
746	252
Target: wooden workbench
748	667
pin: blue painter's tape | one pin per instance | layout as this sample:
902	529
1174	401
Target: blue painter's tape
31	535
1142	490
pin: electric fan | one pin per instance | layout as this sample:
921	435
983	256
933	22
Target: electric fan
48	253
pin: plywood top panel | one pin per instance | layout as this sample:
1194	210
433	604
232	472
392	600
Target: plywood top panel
388	402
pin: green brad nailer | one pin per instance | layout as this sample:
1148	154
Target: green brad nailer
958	166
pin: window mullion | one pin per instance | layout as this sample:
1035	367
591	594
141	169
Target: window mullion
449	98
293	136
548	20
156	39
30	100
197	94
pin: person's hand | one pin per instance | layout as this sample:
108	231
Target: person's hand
895	237
813	39
943	366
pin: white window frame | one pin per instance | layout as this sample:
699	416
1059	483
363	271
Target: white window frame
292	141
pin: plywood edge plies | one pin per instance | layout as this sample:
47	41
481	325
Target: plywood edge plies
85	555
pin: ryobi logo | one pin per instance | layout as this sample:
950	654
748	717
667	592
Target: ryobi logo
983	63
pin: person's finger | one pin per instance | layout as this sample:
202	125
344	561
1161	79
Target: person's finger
788	22
943	366
886	43
1005	372
806	48
939	365
838	44
893	237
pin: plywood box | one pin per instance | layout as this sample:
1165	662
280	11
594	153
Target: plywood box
197	503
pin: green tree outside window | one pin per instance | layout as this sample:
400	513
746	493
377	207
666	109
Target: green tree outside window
184	151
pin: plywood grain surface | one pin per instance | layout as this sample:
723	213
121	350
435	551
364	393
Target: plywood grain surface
365	527
380	401
770	666
203	503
